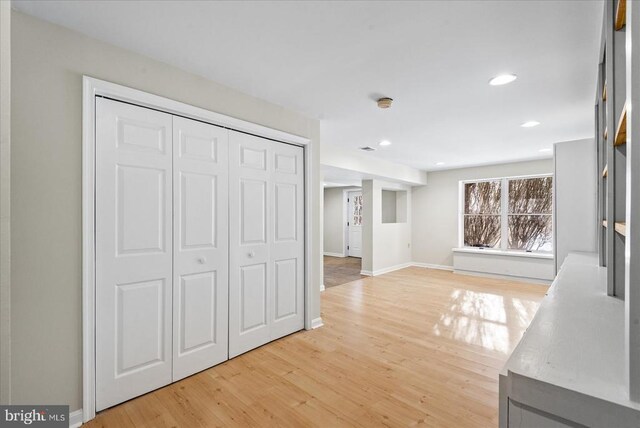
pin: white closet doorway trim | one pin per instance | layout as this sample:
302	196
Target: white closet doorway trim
93	88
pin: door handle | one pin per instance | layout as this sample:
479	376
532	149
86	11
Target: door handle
202	260
251	254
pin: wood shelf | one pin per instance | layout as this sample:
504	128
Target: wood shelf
604	223
605	173
606	133
621	132
621	228
604	92
621	14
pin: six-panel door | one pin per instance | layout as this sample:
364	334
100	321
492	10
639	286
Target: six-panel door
266	241
180	285
200	256
134	249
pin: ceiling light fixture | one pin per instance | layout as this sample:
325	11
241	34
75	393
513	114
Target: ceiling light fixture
530	124
385	102
502	79
439	163
385	143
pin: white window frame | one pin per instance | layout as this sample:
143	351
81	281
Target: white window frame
504	213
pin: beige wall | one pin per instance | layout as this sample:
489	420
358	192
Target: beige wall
369	166
384	245
5	200
333	219
435	207
48	64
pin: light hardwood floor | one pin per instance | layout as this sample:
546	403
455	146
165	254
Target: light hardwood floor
413	347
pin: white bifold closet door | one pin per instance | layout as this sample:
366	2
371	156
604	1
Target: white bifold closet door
201	246
161	249
134	250
266	241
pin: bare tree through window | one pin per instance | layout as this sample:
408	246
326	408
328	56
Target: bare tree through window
482	214
527	212
530	215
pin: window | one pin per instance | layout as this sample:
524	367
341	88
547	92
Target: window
482	212
512	213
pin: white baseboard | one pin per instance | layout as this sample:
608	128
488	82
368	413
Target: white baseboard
75	418
334	254
499	276
385	270
432	266
321	288
316	323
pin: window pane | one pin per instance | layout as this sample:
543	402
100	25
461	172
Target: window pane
482	231
530	232
482	198
530	196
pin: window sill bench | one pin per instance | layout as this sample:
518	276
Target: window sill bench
504	253
518	265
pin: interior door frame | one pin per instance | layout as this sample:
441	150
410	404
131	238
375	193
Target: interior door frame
92	88
347	217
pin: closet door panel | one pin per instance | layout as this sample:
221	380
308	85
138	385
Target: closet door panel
250	275
200	287
133	251
287	248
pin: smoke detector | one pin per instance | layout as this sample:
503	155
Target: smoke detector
368	149
385	102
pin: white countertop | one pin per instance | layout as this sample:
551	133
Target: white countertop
575	342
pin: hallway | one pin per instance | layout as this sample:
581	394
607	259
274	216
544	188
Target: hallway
340	270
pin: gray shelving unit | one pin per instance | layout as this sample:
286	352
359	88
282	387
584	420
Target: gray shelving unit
619	183
593	304
632	243
611	96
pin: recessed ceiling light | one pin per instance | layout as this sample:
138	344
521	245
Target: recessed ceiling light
440	163
385	143
530	124
545	150
502	79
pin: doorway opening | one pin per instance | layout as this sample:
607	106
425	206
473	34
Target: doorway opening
342	235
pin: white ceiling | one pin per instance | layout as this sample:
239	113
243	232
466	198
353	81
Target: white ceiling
330	60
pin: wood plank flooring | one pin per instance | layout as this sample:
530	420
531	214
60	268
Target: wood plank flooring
340	270
412	347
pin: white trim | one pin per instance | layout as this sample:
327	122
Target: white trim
89	89
346	219
385	270
432	266
94	87
322	288
334	254
509	253
75	418
509	177
316	323
499	276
